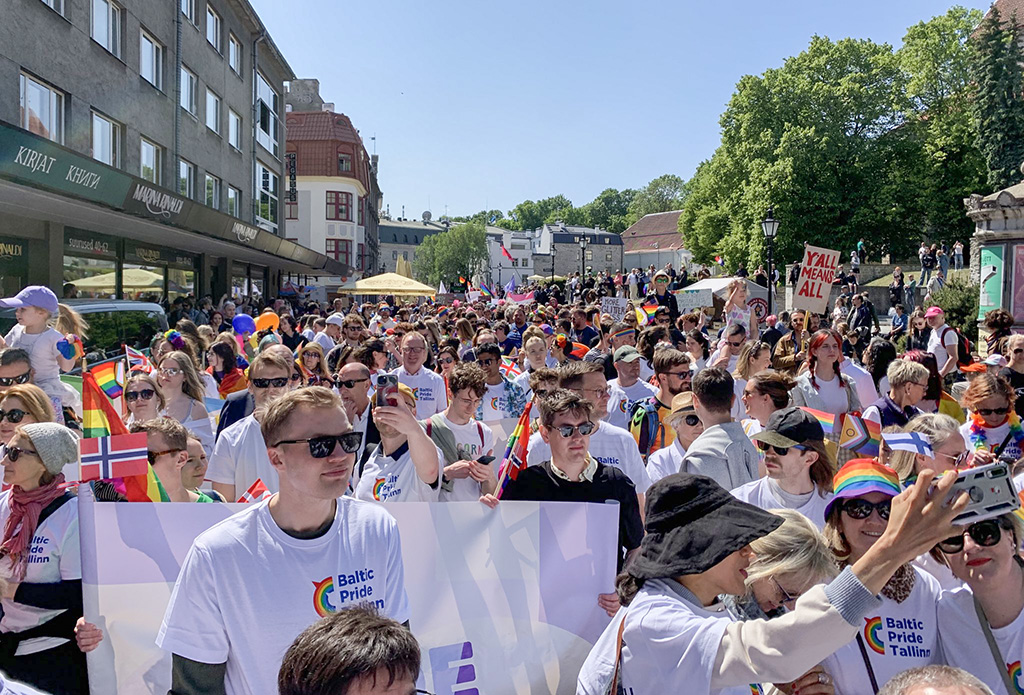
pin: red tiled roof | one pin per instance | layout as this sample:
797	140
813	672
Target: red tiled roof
655	232
320	125
1007	8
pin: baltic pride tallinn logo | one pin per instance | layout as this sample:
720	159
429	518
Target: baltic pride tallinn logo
872	631
321	603
1015	677
377	485
902	636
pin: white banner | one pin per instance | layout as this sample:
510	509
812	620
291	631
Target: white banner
694	299
614	307
509	593
817	271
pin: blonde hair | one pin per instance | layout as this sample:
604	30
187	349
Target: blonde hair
192	385
206	333
150	381
794	549
748	353
321	366
275	419
70	321
935	427
464	329
902	372
37	403
270	359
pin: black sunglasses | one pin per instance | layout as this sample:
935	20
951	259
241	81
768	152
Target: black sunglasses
144	394
350	383
691	420
154	455
985	533
277	382
12	380
779	450
861	509
321	447
584	429
985	412
14	452
14	415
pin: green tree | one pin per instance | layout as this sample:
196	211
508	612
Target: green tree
459	251
667	192
998	101
610	209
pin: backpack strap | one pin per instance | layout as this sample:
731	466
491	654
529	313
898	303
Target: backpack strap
614	686
993	647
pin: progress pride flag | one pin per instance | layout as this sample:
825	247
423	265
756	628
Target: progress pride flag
817	272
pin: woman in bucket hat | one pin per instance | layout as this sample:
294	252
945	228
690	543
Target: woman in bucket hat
670	637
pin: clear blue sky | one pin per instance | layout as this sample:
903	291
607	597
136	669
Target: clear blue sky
484	104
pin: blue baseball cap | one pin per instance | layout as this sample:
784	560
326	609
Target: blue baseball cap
33	295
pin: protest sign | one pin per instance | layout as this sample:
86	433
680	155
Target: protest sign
614	307
503	601
473	295
522	298
693	299
445	299
817	271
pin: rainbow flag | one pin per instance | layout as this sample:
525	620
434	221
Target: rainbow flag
106	376
645	314
71	350
514	459
860	435
485	290
829	422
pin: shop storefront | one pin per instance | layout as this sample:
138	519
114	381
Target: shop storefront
13	265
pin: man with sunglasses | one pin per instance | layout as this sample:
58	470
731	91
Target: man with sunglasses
1014	371
240	403
354	386
647	416
240	455
167	442
791	350
503	399
660	294
428	386
243	593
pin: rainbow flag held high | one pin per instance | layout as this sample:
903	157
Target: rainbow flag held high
110	377
645	314
485	290
514	459
860	435
829	422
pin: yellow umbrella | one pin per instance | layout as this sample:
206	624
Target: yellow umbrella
390	283
131	279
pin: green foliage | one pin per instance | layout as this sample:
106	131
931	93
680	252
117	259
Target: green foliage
483	217
667	192
959	299
460	251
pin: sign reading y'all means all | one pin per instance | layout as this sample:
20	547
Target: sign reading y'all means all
817	271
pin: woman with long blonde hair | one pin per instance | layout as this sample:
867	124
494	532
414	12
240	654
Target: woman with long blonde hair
183	389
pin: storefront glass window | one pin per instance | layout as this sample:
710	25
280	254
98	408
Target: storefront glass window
180	283
93	278
144	283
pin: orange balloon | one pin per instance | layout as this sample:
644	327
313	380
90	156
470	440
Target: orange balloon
267	320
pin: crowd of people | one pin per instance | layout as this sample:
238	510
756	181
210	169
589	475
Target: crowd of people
752	548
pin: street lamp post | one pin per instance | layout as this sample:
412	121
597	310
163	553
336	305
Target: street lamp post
583	256
770	227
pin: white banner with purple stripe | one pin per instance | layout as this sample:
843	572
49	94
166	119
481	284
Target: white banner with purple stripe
503	601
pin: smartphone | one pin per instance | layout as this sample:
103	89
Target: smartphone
387	389
991	493
485	459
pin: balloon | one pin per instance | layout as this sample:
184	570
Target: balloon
455	302
243	323
268	320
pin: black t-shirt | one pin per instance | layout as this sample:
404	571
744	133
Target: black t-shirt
1016	380
539	484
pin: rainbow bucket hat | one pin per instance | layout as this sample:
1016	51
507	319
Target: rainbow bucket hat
860	477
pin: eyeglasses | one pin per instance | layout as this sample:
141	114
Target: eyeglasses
322	446
170	371
13	453
413	349
276	382
861	509
350	383
785	596
154	455
583	428
601	392
918	383
681	375
12	380
739	344
446	360
664	319
779	450
14	415
487	361
985	533
986	412
144	394
958	460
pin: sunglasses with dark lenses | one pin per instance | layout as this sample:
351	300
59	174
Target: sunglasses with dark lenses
779	450
321	447
584	429
986	412
13	453
154	455
487	361
144	394
14	415
277	382
861	509
350	383
13	380
691	420
446	360
985	533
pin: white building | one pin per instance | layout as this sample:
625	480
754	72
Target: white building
557	250
519	245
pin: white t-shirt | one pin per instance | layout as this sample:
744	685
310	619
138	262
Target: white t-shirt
428	387
964	645
324	341
994	436
897	636
866	391
240	457
665	461
739	411
55	555
245	574
761	493
833	395
620	398
646	370
394	478
733	361
610	445
492	405
472	441
942	348
377	326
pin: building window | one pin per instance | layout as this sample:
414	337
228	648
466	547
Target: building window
106	137
188	8
267	216
55	5
189	87
151	60
394	255
339	206
42	109
266	107
234	130
235	54
291	211
362	211
186	178
590	255
106	25
360	256
213	191
339	250
212	111
344	163
608	256
151	160
213	27
234	201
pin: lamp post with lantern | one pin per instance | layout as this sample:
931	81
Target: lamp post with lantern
583	257
770	227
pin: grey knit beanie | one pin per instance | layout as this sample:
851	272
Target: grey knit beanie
55	444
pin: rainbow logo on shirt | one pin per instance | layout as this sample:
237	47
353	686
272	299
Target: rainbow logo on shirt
1014	670
321	604
622	405
377	485
494	404
872	630
755	689
416	393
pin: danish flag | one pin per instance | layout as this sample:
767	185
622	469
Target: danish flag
117	456
256	493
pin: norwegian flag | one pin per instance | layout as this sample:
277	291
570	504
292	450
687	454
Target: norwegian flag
137	362
256	492
117	456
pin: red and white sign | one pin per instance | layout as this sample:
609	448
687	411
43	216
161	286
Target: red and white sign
817	272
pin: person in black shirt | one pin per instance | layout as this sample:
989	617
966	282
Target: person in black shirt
573	475
1014	372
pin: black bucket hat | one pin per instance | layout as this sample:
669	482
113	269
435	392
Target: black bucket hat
693	524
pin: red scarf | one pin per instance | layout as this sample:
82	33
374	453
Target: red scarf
21	524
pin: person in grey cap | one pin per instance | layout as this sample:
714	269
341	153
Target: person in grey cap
40	562
627	387
669	638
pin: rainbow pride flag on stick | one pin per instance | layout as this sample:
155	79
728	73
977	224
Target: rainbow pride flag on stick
485	290
645	314
514	459
829	422
106	376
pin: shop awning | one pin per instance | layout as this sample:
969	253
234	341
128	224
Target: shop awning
390	283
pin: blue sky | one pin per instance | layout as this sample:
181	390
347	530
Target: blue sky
480	105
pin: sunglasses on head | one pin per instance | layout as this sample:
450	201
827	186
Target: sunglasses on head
779	450
861	509
322	446
986	412
350	383
14	415
13	453
277	382
584	429
13	380
144	394
985	533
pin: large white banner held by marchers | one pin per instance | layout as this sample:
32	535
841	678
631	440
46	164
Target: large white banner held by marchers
503	601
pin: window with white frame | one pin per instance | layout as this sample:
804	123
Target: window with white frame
106	25
213	191
268	190
234	130
213	25
151	158
188	8
55	5
189	87
106	136
212	111
186	178
151	59
42	109
234	201
235	54
266	107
